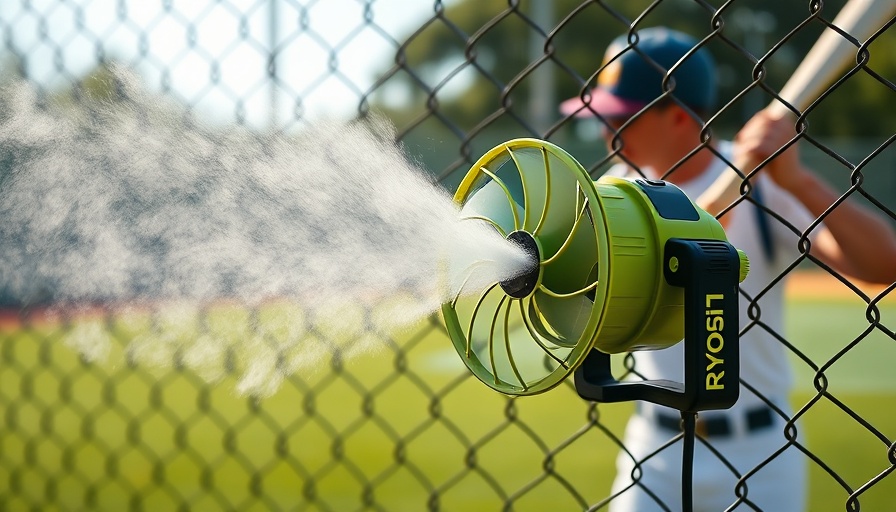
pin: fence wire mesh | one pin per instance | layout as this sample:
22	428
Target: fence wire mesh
407	427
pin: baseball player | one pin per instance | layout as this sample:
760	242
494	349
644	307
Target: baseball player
742	453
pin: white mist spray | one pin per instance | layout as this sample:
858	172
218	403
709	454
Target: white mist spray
128	203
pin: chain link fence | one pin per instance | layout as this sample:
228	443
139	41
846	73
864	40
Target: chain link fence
405	427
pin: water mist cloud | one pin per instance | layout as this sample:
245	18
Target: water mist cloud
130	202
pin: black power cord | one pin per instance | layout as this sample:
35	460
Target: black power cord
689	429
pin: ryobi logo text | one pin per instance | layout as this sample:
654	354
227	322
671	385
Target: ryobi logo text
714	343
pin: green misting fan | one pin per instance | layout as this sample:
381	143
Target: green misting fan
618	265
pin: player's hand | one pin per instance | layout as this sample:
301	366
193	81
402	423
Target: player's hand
763	136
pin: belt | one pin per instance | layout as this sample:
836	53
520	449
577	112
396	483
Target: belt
757	418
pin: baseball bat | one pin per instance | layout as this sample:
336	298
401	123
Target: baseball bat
830	54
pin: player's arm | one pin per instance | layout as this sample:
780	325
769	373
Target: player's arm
854	240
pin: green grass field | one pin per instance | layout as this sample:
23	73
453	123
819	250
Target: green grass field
381	431
863	381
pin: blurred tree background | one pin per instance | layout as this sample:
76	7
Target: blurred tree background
480	72
488	70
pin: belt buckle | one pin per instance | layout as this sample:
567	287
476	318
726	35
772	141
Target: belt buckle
700	428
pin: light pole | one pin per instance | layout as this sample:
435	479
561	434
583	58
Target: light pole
755	26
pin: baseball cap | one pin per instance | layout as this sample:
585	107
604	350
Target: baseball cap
633	75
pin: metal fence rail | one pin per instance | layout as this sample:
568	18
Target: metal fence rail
404	427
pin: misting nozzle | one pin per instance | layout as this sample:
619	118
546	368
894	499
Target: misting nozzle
523	284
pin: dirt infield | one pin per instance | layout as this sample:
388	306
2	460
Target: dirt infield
822	285
800	285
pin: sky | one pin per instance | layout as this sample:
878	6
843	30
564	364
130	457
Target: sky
214	54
